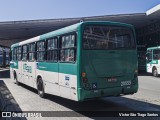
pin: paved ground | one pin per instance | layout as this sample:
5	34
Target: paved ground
149	89
147	99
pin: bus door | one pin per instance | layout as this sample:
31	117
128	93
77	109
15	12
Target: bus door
149	60
30	71
48	70
23	65
16	63
30	66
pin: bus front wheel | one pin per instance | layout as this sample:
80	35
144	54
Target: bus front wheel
40	87
154	72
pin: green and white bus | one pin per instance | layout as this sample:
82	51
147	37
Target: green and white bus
83	61
153	60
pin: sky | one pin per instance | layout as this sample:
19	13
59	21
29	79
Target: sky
15	10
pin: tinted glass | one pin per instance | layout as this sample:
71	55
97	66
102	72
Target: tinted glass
52	44
41	46
68	41
156	54
107	37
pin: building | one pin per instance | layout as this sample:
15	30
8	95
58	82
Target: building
147	27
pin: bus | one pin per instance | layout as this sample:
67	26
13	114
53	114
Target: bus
153	60
84	61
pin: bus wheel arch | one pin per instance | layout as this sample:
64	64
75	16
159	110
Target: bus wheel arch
154	71
40	86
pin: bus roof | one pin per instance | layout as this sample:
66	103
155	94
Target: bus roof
67	29
151	48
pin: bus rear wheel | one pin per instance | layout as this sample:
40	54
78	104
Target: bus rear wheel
40	87
154	72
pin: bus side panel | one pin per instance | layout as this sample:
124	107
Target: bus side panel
49	73
152	64
149	68
68	80
19	72
28	72
13	68
158	67
28	69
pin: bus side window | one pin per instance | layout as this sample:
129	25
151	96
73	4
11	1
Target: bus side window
31	53
156	54
149	56
68	48
24	53
15	54
41	51
19	49
52	49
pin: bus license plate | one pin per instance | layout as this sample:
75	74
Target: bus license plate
112	79
125	83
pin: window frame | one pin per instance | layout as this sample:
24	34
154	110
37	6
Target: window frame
39	51
34	52
149	53
25	53
19	53
153	54
125	48
14	55
74	48
52	50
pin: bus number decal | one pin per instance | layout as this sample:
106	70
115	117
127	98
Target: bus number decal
27	68
67	77
125	83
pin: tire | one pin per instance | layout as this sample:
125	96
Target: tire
40	87
154	72
15	78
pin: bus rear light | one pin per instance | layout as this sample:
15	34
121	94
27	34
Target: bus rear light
83	74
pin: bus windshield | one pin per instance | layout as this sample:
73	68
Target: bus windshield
156	54
98	37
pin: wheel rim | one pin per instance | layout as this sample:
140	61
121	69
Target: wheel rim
40	88
155	73
40	85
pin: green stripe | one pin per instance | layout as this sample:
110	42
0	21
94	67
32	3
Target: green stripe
14	65
67	68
